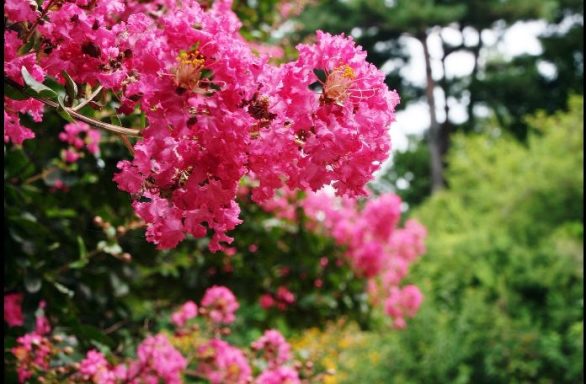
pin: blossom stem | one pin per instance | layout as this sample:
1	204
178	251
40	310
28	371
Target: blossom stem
41	175
78	116
90	98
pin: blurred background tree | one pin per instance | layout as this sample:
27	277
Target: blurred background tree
503	277
509	88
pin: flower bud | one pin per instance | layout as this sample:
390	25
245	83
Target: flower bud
98	221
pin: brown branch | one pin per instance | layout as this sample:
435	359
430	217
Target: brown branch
78	116
90	98
41	175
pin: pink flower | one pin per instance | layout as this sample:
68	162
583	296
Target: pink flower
21	10
266	301
79	136
276	351
280	375
71	156
13	309
95	368
186	312
403	303
158	360
222	363
42	325
32	354
285	295
220	305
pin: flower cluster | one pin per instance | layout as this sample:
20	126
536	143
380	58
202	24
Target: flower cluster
275	349
160	358
33	350
12	309
374	246
403	302
280	299
216	111
157	360
220	305
223	363
79	136
186	312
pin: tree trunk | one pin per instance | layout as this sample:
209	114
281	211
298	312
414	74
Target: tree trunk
437	169
473	80
445	127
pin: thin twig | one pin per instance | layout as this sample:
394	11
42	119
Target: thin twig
127	143
90	98
41	175
115	326
76	115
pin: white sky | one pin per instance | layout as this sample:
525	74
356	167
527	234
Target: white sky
520	38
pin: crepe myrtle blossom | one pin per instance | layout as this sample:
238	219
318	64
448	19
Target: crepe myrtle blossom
223	363
216	110
281	375
403	303
80	136
157	360
219	304
13	309
186	312
375	246
274	348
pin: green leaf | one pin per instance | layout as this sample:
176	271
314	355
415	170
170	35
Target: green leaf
115	120
13	93
142	120
27	47
63	289
320	74
70	88
83	255
39	88
92	334
62	111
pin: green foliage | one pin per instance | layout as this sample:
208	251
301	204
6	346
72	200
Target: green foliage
503	276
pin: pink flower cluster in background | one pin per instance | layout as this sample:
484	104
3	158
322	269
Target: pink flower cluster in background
13	309
33	349
187	312
79	136
157	359
375	246
280	299
216	111
220	304
403	302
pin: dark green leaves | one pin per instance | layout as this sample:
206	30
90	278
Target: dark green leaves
70	88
